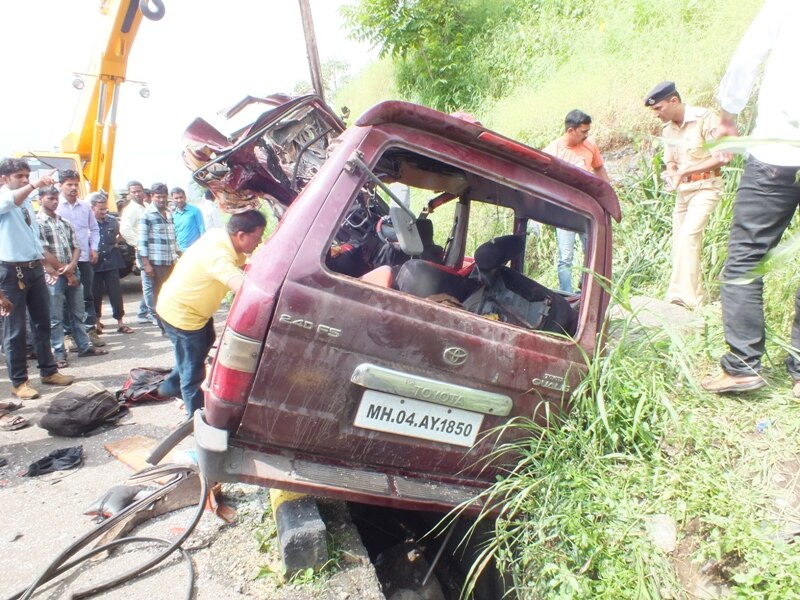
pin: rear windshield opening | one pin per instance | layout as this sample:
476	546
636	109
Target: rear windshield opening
487	248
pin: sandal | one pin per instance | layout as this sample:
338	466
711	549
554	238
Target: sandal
92	351
61	363
124	329
98	327
11	422
7	407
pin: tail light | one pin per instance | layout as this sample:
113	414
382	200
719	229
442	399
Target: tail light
237	359
231	379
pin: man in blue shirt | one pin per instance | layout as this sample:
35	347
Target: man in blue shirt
187	219
22	279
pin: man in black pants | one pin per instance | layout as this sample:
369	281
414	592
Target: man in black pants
22	279
109	262
768	195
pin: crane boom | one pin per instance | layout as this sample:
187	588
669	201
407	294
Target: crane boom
94	127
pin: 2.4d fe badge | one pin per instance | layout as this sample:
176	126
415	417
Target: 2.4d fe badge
321	329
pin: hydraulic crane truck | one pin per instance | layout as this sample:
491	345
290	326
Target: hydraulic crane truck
89	146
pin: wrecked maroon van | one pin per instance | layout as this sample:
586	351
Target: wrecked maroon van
387	331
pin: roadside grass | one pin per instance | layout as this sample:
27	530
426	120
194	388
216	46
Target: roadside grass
643	442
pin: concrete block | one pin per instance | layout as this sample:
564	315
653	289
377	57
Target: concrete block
302	535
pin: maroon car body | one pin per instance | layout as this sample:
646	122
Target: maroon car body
347	381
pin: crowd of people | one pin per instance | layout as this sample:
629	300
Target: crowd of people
57	264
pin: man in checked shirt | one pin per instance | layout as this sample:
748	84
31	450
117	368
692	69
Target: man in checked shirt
61	255
157	249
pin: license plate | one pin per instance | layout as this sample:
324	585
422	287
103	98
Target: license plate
394	414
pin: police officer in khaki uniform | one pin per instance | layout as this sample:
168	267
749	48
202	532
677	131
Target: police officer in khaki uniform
695	176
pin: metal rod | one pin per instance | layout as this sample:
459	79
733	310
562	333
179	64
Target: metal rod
372	177
311	48
439	552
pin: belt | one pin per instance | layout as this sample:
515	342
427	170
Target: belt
28	264
702	175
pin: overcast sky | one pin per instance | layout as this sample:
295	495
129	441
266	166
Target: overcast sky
201	57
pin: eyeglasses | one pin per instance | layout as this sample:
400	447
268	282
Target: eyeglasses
26	215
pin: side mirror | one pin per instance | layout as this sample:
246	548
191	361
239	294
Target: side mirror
405	226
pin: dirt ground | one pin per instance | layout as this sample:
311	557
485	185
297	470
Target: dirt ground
42	515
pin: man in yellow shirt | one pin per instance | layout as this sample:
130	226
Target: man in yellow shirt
194	291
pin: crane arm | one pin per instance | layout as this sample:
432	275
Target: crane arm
94	127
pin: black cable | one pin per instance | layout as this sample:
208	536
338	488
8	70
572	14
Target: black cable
59	565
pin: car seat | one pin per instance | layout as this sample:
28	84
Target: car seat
511	296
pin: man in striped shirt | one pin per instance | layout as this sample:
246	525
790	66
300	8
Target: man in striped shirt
157	248
61	254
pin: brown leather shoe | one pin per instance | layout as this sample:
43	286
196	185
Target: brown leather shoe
24	391
725	383
57	379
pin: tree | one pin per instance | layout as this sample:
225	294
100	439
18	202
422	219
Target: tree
335	73
433	43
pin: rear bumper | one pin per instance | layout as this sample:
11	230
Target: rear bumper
222	460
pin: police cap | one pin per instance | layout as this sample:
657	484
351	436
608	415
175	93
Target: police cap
662	91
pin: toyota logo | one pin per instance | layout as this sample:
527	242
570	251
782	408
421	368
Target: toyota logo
455	356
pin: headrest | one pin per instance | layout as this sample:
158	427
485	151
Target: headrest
499	251
425	228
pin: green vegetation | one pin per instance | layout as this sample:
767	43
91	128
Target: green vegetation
521	65
644	443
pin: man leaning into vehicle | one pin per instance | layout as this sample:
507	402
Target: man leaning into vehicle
194	291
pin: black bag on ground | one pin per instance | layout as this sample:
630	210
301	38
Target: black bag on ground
79	409
142	385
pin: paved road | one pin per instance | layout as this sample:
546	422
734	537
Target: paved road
43	515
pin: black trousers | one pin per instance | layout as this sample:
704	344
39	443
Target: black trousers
108	282
34	299
767	198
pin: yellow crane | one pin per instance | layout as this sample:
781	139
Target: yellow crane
89	146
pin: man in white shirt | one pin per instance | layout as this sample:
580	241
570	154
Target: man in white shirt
129	230
212	217
769	193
